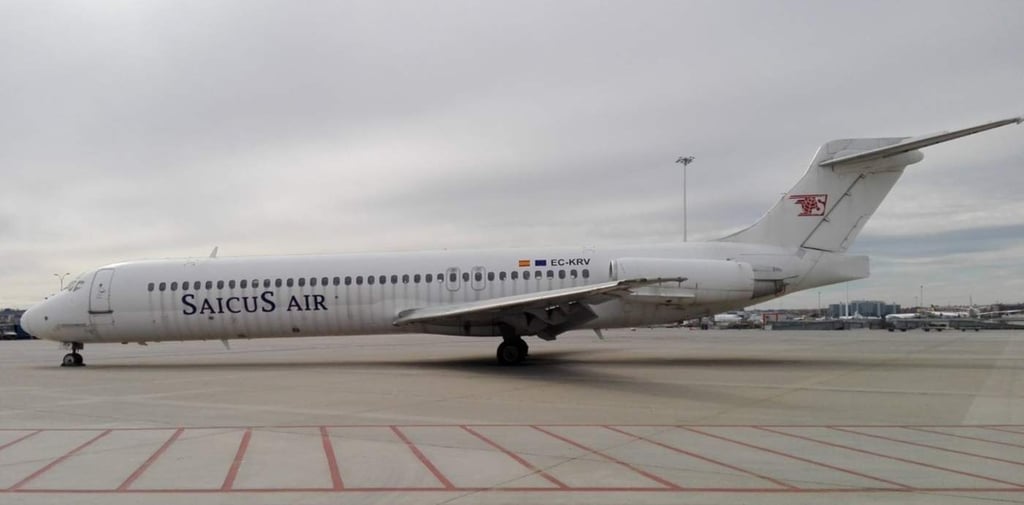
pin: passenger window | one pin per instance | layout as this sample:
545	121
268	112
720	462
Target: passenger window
312	282
150	286
255	283
394	279
337	281
382	279
278	283
515	275
429	278
538	274
359	280
196	285
477	276
452	277
561	274
266	283
163	286
244	283
490	276
174	286
289	282
465	276
184	286
209	284
231	284
440	277
348	280
370	279
586	273
416	278
405	278
323	281
551	274
526	274
501	275
573	273
302	282
220	284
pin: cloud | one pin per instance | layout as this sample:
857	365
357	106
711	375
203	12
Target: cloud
161	129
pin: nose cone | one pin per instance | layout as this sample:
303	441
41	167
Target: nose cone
30	321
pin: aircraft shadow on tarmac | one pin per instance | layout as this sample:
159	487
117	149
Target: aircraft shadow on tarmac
576	368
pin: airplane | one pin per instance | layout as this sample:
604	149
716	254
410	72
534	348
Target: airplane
800	243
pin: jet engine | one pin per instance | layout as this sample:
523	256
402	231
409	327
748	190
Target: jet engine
704	281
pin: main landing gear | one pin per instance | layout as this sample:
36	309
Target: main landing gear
512	351
73	358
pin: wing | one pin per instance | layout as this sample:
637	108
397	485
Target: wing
546	313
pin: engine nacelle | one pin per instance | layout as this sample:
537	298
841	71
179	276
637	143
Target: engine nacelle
707	281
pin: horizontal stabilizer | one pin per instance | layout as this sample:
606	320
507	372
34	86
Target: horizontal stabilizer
914	143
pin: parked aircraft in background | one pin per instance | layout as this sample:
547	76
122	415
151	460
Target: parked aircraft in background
800	243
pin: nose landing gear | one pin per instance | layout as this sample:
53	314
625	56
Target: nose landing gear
73	358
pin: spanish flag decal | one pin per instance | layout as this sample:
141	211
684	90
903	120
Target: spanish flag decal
524	263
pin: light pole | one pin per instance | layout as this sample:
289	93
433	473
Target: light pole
61	277
685	160
922	295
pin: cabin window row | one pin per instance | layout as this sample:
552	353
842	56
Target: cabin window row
360	280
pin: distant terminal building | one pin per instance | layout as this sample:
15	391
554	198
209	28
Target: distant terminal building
865	308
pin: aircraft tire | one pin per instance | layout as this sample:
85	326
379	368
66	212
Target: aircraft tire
72	359
511	353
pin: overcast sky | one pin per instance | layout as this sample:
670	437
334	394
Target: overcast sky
150	129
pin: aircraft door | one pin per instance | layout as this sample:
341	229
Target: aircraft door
477	278
99	294
451	279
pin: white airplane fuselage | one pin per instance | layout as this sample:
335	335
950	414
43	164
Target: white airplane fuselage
286	296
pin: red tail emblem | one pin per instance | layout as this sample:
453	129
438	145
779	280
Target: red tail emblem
810	205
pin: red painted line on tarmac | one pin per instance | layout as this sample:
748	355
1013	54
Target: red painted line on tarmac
159	452
967	437
57	461
895	458
805	460
705	458
773	490
19	439
651	476
423	459
919	444
229	479
516	457
332	461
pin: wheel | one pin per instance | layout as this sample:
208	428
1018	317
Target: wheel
523	347
511	353
71	359
79	360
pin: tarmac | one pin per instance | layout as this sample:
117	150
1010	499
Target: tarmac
648	416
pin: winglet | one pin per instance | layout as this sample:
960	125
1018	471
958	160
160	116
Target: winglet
213	253
915	143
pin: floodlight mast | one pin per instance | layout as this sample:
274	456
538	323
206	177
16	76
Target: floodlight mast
685	160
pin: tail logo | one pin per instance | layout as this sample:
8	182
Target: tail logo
810	205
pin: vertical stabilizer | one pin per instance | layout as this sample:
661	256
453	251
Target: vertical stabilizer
846	182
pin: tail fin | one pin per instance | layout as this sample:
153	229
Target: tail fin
846	182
